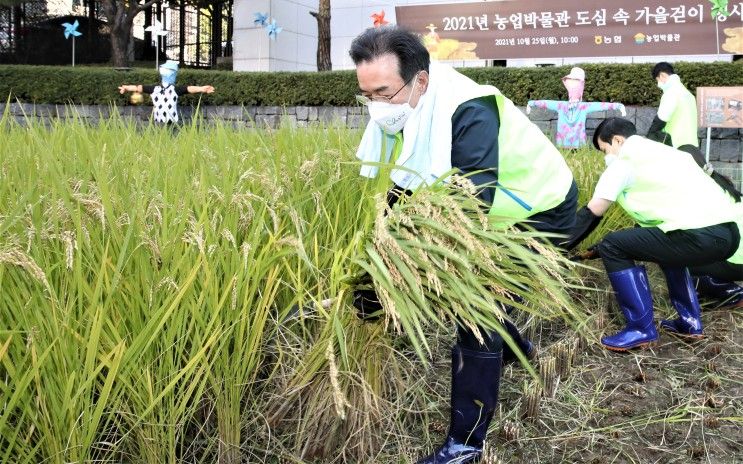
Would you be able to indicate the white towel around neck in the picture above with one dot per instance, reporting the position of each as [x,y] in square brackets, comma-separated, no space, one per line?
[426,146]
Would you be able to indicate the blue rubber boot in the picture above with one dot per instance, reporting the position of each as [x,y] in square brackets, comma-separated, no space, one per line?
[475,380]
[684,298]
[633,295]
[726,294]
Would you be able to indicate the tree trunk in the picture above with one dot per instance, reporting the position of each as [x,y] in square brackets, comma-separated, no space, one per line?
[323,35]
[119,46]
[130,46]
[120,17]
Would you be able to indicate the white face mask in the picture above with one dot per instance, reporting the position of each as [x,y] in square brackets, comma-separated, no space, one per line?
[391,117]
[664,85]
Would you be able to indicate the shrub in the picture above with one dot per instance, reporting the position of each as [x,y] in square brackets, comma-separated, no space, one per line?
[630,84]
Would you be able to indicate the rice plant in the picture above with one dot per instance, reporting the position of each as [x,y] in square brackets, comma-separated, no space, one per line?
[184,295]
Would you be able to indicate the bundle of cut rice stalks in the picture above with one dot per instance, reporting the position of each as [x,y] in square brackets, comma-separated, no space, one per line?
[436,257]
[352,388]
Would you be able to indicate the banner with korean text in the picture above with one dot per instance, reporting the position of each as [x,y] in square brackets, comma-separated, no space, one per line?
[574,28]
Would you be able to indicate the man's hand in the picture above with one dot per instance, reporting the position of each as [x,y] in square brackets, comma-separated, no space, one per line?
[591,253]
[585,222]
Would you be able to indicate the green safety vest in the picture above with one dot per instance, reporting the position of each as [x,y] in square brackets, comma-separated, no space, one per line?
[671,192]
[682,126]
[532,174]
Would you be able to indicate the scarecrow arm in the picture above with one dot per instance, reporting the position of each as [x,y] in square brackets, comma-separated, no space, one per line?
[200,89]
[130,88]
[605,106]
[551,105]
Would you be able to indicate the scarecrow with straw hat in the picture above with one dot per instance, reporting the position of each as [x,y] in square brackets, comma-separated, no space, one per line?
[572,114]
[165,95]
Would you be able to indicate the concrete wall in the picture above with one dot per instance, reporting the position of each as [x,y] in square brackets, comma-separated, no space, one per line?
[726,146]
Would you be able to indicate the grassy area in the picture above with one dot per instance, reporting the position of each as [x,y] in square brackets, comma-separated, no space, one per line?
[161,300]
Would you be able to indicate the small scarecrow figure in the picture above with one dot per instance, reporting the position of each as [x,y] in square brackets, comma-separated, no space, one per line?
[572,114]
[165,96]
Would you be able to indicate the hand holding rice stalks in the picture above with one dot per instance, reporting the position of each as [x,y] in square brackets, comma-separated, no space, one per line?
[435,258]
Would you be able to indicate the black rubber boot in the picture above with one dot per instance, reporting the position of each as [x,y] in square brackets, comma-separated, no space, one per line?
[725,294]
[475,379]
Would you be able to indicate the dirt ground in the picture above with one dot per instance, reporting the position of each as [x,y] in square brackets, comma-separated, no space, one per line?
[677,402]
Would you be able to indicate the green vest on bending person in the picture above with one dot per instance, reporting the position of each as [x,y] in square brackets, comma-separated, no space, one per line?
[671,192]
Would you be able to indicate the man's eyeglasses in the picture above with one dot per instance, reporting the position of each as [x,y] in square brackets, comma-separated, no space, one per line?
[364,100]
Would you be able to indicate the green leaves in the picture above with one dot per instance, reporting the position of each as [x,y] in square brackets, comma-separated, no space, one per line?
[719,8]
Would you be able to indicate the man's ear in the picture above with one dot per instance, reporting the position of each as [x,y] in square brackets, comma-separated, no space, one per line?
[423,81]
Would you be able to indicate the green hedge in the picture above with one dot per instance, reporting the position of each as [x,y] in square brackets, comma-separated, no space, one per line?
[630,84]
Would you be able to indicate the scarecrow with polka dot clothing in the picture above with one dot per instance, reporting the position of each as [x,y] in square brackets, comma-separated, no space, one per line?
[572,114]
[165,96]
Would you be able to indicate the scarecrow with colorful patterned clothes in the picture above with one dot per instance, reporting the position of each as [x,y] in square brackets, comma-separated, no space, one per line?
[572,114]
[165,96]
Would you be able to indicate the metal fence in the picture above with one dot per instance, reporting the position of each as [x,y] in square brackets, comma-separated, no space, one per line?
[15,19]
[197,37]
[200,37]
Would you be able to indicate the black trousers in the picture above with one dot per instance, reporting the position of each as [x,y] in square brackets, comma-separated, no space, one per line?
[560,220]
[721,270]
[678,248]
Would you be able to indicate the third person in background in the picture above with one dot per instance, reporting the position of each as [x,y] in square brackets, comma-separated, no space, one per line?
[676,121]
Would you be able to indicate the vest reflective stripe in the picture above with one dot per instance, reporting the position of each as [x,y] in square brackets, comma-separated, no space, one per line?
[682,127]
[669,191]
[532,174]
